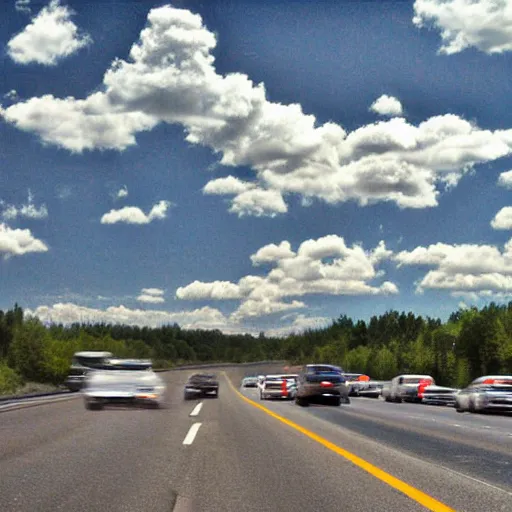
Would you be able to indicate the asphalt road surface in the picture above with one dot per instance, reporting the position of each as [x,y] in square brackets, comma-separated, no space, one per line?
[232,455]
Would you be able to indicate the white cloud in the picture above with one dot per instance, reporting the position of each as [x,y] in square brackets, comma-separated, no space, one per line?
[134,215]
[482,270]
[66,313]
[483,24]
[48,38]
[505,179]
[28,210]
[299,324]
[122,192]
[387,106]
[323,266]
[12,95]
[151,296]
[503,219]
[288,151]
[22,6]
[16,242]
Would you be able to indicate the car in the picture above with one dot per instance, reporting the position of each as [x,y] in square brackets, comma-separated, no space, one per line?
[278,386]
[405,388]
[123,382]
[321,381]
[83,363]
[355,382]
[371,389]
[490,392]
[250,382]
[201,385]
[437,395]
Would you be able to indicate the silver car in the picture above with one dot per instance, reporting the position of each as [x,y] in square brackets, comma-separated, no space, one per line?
[490,392]
[438,395]
[126,382]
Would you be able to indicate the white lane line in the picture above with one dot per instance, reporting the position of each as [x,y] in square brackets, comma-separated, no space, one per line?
[189,438]
[196,409]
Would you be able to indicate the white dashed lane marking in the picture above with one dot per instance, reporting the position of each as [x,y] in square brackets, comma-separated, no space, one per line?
[196,409]
[189,438]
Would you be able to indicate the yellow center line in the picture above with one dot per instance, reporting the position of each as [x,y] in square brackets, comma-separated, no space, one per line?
[415,494]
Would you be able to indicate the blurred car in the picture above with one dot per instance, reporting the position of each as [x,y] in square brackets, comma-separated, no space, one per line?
[371,388]
[437,395]
[278,386]
[123,382]
[200,385]
[83,363]
[355,382]
[321,381]
[250,382]
[490,392]
[405,387]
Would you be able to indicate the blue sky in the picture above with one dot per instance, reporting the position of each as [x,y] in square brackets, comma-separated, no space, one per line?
[254,165]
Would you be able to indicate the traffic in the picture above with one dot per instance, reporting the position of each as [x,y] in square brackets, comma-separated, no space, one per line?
[332,385]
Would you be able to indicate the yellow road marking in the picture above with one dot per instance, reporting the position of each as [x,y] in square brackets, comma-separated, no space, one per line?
[415,494]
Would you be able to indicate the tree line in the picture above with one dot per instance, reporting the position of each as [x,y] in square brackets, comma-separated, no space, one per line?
[470,343]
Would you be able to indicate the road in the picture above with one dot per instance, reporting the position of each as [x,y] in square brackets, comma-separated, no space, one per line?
[363,457]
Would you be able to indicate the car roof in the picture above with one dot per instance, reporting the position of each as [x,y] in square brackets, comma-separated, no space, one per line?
[93,353]
[415,376]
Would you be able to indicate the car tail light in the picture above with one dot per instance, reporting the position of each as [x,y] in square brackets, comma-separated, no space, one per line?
[326,384]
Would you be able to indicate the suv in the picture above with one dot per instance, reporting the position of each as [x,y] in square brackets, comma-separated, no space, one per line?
[321,381]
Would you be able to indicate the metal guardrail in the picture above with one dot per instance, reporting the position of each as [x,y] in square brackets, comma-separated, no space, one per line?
[20,398]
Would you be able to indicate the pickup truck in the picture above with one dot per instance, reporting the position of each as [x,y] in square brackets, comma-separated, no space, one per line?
[201,384]
[321,381]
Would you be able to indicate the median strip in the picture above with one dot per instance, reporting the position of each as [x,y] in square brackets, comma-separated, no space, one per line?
[416,495]
[189,438]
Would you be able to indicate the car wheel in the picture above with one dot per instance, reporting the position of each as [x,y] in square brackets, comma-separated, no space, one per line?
[93,406]
[387,399]
[216,394]
[336,401]
[397,400]
[301,401]
[471,406]
[458,408]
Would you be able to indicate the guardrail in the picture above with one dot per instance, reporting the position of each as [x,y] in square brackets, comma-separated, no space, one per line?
[20,398]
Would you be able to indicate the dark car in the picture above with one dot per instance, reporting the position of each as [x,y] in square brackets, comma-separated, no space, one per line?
[201,385]
[321,381]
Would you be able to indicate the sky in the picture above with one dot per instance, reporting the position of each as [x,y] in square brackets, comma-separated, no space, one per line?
[254,166]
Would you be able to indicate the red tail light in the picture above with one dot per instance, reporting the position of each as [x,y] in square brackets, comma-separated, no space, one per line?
[284,389]
[326,384]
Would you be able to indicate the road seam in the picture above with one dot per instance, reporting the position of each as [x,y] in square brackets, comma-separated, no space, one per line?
[416,495]
[191,435]
[196,409]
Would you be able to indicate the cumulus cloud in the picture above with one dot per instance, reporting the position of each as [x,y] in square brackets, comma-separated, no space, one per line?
[151,295]
[483,24]
[505,179]
[387,106]
[503,219]
[16,242]
[48,38]
[170,77]
[67,313]
[323,266]
[134,215]
[482,270]
[27,210]
[299,324]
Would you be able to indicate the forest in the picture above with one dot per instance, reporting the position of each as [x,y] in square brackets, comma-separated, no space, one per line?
[471,343]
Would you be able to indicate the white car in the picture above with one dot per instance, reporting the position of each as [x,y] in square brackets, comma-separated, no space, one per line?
[125,382]
[490,392]
[278,386]
[405,387]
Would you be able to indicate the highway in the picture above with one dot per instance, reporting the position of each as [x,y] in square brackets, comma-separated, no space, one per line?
[233,455]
